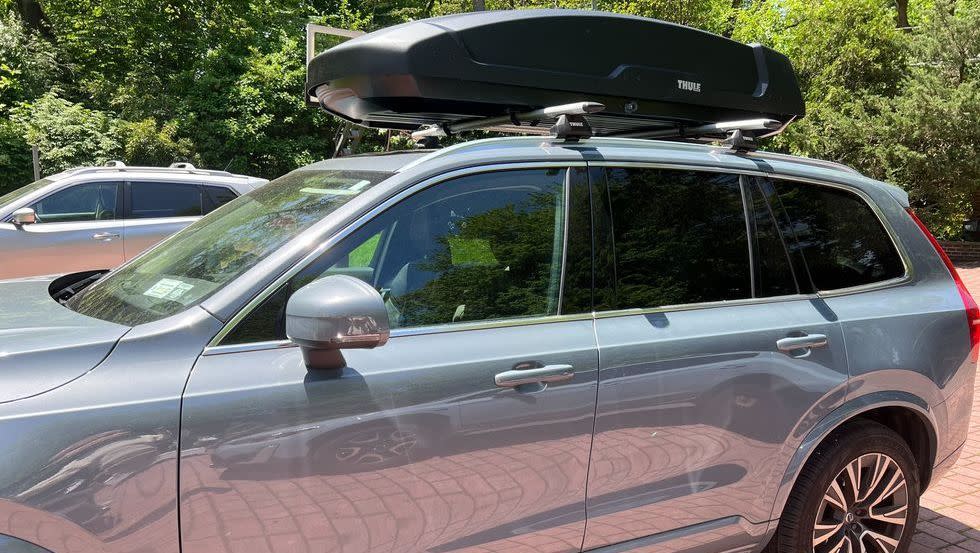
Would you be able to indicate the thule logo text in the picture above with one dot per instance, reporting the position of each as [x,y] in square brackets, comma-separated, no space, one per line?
[690,86]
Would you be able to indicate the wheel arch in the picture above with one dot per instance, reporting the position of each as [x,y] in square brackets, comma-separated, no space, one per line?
[905,413]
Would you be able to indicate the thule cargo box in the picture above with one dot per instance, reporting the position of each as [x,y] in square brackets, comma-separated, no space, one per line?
[648,74]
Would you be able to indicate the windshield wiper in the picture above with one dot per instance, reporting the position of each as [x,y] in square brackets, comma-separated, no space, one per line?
[63,291]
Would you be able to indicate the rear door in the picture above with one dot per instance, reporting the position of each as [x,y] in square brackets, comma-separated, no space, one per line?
[425,444]
[77,229]
[157,209]
[713,359]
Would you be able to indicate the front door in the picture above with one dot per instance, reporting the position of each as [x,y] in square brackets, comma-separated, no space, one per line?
[422,444]
[77,229]
[713,363]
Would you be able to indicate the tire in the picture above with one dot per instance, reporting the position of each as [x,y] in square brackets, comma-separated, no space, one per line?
[879,458]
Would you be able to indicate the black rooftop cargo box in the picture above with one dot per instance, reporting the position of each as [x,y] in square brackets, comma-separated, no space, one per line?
[648,74]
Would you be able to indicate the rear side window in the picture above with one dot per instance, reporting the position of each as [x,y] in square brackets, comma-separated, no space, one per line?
[774,275]
[679,237]
[164,199]
[840,237]
[216,196]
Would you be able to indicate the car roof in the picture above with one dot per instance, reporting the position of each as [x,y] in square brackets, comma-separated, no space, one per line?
[176,172]
[599,150]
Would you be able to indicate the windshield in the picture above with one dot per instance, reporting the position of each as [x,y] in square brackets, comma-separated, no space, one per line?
[11,197]
[199,260]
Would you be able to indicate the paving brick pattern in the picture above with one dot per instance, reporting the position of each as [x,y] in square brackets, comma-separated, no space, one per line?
[949,521]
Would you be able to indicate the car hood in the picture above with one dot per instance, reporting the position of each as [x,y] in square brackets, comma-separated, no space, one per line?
[43,344]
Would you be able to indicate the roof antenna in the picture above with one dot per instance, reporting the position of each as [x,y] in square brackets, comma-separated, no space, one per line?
[571,128]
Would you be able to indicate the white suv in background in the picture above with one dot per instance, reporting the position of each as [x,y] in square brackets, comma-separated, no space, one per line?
[95,218]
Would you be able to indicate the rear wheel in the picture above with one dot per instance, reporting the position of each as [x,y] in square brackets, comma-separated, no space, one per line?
[859,493]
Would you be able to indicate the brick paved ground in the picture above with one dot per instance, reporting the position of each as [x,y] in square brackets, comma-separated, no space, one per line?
[950,518]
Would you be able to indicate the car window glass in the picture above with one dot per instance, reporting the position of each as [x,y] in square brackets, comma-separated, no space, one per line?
[92,201]
[480,247]
[839,235]
[773,272]
[679,237]
[164,199]
[216,197]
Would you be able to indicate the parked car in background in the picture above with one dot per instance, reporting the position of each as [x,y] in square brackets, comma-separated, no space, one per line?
[95,218]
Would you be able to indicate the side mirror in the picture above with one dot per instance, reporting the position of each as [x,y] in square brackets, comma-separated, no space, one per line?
[334,313]
[24,216]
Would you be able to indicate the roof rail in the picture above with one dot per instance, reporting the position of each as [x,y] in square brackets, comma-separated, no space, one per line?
[119,166]
[821,163]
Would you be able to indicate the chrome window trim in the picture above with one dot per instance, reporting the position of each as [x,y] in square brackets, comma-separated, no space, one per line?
[413,331]
[367,217]
[701,305]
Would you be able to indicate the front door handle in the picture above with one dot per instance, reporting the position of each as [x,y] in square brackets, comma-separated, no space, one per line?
[793,343]
[105,236]
[535,375]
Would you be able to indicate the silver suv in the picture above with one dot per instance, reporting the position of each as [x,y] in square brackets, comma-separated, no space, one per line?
[95,218]
[521,344]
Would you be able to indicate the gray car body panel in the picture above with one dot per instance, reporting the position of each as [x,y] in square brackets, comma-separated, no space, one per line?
[94,461]
[48,346]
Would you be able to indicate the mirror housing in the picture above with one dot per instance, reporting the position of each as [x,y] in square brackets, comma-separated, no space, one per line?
[24,216]
[334,313]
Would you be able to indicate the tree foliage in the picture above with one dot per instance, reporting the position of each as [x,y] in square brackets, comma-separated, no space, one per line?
[891,85]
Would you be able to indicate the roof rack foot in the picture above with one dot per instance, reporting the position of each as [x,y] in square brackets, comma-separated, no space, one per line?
[571,128]
[738,142]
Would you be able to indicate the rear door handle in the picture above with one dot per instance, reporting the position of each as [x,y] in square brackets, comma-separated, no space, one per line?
[105,235]
[545,374]
[793,343]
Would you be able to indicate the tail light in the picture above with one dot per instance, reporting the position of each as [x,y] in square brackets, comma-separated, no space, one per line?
[972,311]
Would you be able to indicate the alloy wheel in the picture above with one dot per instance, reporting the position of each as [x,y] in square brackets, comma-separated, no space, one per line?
[865,508]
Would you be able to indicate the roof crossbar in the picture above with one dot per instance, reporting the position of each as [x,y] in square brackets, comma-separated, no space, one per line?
[711,130]
[577,108]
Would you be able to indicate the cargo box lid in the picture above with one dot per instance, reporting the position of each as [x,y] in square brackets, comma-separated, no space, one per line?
[648,74]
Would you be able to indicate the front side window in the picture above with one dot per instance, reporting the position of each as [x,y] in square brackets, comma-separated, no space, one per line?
[150,200]
[220,247]
[679,237]
[840,237]
[476,248]
[91,201]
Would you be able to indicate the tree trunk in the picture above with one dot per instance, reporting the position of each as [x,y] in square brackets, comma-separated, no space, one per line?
[32,14]
[479,5]
[732,17]
[902,14]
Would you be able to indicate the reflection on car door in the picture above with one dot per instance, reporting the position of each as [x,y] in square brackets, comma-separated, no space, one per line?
[77,229]
[413,446]
[157,210]
[703,396]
